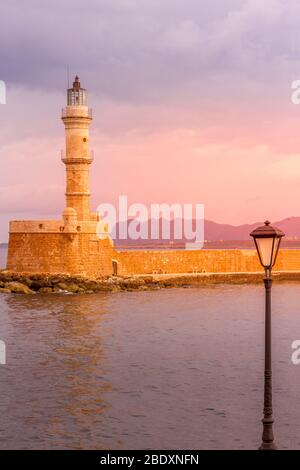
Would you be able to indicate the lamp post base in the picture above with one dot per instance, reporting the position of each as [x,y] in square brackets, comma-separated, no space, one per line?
[268,446]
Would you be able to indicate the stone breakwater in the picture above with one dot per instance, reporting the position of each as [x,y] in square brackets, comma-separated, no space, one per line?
[28,283]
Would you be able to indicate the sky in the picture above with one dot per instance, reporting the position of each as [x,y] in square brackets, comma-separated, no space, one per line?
[191,102]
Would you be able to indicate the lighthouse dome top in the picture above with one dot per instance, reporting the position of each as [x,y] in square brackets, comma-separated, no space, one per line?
[77,96]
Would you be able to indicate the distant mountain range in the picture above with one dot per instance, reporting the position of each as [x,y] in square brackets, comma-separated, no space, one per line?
[223,234]
[217,232]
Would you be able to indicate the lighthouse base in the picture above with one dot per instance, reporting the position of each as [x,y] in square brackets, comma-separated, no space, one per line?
[44,247]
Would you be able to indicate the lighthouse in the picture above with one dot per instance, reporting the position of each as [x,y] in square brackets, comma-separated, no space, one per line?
[77,243]
[77,157]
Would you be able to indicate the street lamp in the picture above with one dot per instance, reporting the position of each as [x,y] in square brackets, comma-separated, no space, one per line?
[267,241]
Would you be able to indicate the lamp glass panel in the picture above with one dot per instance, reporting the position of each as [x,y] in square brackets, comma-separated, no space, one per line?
[276,245]
[265,248]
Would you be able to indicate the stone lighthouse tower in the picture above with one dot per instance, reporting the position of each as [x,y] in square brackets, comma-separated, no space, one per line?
[77,157]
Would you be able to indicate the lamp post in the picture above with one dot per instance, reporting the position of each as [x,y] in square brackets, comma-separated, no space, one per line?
[267,241]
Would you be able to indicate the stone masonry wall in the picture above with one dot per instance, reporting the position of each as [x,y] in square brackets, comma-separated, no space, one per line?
[85,254]
[201,261]
[82,254]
